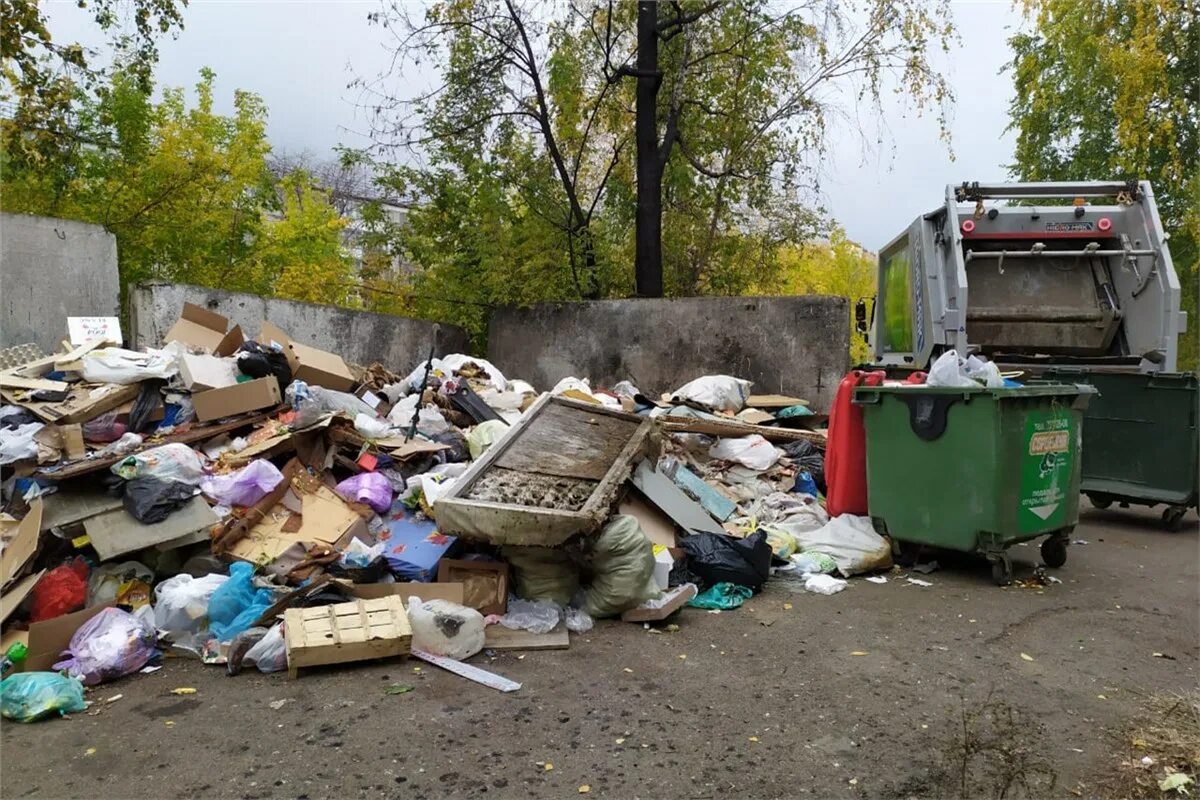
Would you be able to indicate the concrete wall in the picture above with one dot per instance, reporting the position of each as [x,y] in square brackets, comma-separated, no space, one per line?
[361,337]
[787,345]
[51,269]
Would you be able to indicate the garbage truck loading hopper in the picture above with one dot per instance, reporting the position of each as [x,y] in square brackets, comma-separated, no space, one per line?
[1002,270]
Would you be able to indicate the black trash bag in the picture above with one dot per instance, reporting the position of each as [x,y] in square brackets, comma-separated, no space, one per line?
[148,399]
[371,573]
[18,418]
[150,500]
[807,456]
[258,361]
[719,558]
[458,451]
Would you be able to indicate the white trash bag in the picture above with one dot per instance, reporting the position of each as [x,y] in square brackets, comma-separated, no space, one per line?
[719,392]
[752,451]
[445,629]
[851,542]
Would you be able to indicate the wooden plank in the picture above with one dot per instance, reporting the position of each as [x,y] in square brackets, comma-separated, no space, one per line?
[773,401]
[186,437]
[662,493]
[73,361]
[712,427]
[498,637]
[33,384]
[116,532]
[670,602]
[569,442]
[502,523]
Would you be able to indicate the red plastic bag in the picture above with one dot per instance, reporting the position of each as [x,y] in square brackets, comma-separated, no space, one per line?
[846,453]
[60,591]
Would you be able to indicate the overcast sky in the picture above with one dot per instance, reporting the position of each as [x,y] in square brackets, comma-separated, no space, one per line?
[300,56]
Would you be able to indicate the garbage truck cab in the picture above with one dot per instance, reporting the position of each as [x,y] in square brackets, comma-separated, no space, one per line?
[1032,274]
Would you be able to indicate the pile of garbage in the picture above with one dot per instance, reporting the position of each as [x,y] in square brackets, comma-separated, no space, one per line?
[262,502]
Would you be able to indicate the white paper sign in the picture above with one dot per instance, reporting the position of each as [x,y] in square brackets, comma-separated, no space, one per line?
[87,329]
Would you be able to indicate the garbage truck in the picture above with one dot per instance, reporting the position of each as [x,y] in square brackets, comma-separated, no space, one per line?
[1071,281]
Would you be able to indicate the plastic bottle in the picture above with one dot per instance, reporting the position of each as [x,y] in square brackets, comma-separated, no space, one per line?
[13,656]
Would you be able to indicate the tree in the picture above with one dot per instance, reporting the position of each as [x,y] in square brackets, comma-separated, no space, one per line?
[833,266]
[535,94]
[186,192]
[40,79]
[1109,89]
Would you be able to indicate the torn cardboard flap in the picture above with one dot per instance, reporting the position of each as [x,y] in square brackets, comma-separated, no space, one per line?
[324,519]
[309,364]
[23,544]
[199,327]
[19,591]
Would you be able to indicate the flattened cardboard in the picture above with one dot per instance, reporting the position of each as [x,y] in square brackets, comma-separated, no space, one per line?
[485,583]
[376,400]
[19,591]
[199,327]
[773,401]
[22,545]
[233,400]
[657,526]
[452,592]
[84,402]
[72,439]
[325,519]
[678,598]
[200,373]
[47,640]
[116,532]
[313,366]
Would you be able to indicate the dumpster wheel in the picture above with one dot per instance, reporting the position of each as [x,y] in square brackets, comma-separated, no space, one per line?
[1172,517]
[1002,570]
[1100,501]
[1054,552]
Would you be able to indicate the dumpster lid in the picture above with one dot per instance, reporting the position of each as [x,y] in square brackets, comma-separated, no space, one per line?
[1032,389]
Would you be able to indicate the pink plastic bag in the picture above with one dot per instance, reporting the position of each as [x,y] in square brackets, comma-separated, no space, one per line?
[367,487]
[111,644]
[245,487]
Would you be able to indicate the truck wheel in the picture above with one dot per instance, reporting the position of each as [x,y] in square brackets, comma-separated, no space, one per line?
[1054,552]
[1172,517]
[1099,501]
[1002,571]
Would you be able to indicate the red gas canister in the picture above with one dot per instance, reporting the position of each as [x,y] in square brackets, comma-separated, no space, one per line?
[846,453]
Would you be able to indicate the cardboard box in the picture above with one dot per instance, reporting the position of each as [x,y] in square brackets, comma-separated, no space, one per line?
[200,327]
[203,372]
[46,640]
[313,366]
[376,400]
[72,438]
[485,583]
[248,396]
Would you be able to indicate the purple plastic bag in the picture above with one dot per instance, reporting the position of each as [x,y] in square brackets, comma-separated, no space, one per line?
[111,644]
[245,487]
[367,487]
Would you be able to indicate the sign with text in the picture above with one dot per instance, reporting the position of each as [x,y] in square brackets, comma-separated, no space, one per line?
[82,330]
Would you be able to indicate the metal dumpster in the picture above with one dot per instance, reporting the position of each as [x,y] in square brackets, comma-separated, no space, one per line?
[975,470]
[1140,442]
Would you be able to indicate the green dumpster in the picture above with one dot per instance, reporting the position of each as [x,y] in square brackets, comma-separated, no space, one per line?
[1140,441]
[975,470]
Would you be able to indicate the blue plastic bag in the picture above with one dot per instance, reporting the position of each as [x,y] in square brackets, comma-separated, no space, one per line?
[805,483]
[236,604]
[29,696]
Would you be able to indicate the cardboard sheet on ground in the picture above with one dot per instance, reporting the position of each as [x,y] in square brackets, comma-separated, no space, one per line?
[324,519]
[116,532]
[46,640]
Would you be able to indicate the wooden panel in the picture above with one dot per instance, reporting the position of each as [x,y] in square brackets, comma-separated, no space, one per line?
[569,442]
[498,637]
[346,632]
[114,533]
